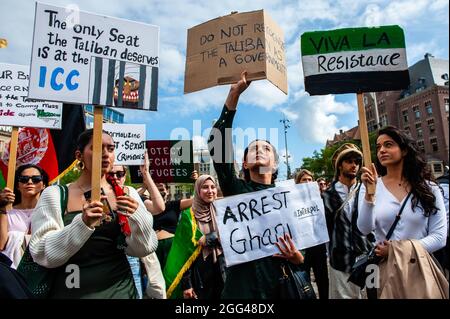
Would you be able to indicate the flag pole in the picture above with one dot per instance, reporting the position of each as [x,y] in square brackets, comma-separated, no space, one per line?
[364,139]
[12,161]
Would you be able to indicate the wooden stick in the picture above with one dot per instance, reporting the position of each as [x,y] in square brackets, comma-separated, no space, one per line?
[12,161]
[97,153]
[364,138]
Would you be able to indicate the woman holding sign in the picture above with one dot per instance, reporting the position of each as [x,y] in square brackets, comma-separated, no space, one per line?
[257,279]
[29,182]
[89,240]
[403,189]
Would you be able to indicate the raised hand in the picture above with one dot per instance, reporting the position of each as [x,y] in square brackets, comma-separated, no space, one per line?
[236,90]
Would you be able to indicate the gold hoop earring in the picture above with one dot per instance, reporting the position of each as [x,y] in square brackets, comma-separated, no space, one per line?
[81,165]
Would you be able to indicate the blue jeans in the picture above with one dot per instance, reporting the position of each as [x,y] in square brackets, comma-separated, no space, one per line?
[136,271]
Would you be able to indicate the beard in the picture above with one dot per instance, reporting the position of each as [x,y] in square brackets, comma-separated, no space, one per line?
[348,174]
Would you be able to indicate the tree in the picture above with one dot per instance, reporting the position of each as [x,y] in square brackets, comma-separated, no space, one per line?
[320,163]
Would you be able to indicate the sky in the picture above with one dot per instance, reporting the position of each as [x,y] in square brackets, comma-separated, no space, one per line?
[313,119]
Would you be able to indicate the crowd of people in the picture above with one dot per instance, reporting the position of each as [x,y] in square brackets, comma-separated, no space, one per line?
[137,244]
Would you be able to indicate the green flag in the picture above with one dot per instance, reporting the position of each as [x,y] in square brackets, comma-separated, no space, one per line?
[183,252]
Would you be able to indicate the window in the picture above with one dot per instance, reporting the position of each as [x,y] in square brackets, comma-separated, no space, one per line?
[383,120]
[382,108]
[446,105]
[405,116]
[421,145]
[428,108]
[89,108]
[419,129]
[371,126]
[434,144]
[430,123]
[416,112]
[369,112]
[89,121]
[407,130]
[204,168]
[366,100]
[437,168]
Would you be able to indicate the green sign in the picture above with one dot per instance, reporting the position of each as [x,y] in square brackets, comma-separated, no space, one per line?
[354,60]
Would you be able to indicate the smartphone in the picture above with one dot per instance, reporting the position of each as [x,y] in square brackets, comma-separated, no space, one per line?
[107,211]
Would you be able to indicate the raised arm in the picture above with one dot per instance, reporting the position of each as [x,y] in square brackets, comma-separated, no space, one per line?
[156,205]
[220,142]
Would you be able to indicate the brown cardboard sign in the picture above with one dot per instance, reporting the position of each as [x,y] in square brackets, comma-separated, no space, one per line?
[220,49]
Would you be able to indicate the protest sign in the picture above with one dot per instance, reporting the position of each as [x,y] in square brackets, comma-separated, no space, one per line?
[354,60]
[129,140]
[171,161]
[220,49]
[250,224]
[15,109]
[96,60]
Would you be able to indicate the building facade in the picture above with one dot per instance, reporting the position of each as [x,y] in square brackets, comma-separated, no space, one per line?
[5,137]
[109,115]
[422,110]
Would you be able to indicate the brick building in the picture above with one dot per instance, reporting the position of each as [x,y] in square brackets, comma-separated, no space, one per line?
[422,109]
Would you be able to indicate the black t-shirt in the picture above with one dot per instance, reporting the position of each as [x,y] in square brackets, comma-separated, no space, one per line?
[168,219]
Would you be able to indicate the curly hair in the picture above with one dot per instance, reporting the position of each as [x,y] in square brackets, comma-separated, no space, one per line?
[415,170]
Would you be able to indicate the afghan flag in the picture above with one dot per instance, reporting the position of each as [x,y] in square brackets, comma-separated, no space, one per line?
[354,60]
[52,150]
[183,252]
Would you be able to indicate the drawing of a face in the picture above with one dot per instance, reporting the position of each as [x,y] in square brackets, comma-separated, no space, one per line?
[130,92]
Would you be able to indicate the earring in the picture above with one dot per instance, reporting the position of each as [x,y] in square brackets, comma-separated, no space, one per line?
[80,165]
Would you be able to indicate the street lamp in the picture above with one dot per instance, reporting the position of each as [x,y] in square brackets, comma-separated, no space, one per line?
[286,125]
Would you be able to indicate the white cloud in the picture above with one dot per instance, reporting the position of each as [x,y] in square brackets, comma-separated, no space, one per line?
[315,117]
[199,142]
[416,51]
[423,17]
[395,12]
[264,94]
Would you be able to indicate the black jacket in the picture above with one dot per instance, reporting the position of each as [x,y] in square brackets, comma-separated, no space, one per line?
[346,241]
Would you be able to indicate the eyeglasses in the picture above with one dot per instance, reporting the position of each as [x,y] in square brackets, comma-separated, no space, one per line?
[119,174]
[35,179]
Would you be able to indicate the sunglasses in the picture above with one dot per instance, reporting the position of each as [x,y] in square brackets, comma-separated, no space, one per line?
[119,174]
[35,179]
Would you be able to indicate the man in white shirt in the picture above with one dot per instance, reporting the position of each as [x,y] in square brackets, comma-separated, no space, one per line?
[341,211]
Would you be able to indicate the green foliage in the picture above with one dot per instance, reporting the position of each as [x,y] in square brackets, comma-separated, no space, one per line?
[320,162]
[70,176]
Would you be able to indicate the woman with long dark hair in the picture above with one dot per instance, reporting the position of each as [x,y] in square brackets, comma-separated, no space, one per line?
[95,236]
[30,180]
[401,175]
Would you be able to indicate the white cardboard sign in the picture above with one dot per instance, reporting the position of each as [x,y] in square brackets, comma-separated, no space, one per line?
[84,58]
[250,224]
[129,140]
[16,110]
